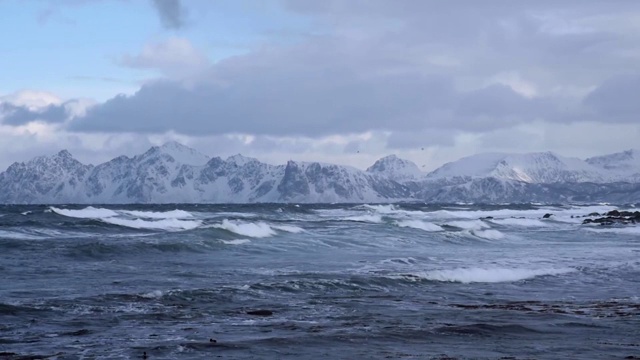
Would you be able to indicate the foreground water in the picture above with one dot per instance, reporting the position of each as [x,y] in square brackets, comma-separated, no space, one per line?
[337,282]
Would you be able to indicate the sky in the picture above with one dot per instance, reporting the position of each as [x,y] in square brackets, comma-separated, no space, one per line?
[335,81]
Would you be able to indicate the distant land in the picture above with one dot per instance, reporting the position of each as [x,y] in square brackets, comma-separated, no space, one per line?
[174,173]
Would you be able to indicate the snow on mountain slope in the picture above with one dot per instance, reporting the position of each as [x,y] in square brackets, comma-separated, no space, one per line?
[626,162]
[545,167]
[174,173]
[44,179]
[396,169]
[183,154]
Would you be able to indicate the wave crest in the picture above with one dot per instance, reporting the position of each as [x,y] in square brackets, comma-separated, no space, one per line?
[491,275]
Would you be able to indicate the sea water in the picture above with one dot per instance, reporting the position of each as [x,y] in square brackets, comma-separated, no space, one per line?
[333,281]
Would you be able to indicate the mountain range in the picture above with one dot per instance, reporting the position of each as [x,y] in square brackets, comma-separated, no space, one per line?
[174,173]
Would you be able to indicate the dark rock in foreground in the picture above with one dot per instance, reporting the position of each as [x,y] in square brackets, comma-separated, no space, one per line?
[616,217]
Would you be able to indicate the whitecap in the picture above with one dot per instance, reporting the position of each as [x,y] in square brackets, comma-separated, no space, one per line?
[236,241]
[255,230]
[520,222]
[418,224]
[469,225]
[173,214]
[86,213]
[382,209]
[18,235]
[488,234]
[490,275]
[153,294]
[371,218]
[164,224]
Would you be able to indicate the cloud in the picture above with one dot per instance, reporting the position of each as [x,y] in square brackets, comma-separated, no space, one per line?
[29,106]
[426,73]
[616,99]
[175,57]
[20,115]
[171,13]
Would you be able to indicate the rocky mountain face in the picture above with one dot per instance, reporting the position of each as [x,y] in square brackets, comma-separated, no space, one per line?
[174,173]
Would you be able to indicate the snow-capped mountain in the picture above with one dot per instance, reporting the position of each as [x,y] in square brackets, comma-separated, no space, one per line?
[396,169]
[52,179]
[174,173]
[626,163]
[533,168]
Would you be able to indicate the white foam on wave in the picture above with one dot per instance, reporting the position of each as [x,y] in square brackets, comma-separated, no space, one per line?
[86,213]
[173,214]
[382,209]
[155,294]
[488,234]
[236,241]
[520,222]
[469,225]
[419,224]
[6,234]
[164,224]
[490,275]
[370,218]
[513,213]
[254,230]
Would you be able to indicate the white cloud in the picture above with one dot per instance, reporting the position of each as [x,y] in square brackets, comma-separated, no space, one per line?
[175,57]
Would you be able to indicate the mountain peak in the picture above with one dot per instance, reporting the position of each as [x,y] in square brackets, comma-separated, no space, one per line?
[540,167]
[626,161]
[239,159]
[395,168]
[181,153]
[64,154]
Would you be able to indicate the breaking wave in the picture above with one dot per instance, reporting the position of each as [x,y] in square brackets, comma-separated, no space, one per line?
[370,218]
[520,222]
[86,213]
[173,214]
[469,225]
[254,230]
[494,275]
[164,224]
[419,224]
[488,234]
[236,241]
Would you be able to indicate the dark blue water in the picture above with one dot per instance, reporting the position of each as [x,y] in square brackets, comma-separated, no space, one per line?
[308,282]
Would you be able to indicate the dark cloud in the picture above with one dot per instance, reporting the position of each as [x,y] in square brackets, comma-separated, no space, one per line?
[19,115]
[171,13]
[617,99]
[408,66]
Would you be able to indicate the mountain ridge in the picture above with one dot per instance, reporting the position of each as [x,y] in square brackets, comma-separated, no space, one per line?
[175,173]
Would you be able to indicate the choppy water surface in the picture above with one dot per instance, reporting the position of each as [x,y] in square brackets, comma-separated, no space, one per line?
[335,282]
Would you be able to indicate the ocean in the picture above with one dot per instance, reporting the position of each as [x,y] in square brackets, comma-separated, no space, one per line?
[403,281]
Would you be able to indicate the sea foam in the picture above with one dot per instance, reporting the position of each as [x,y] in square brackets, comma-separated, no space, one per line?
[469,225]
[254,230]
[419,224]
[173,214]
[86,213]
[520,222]
[164,224]
[488,234]
[490,275]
